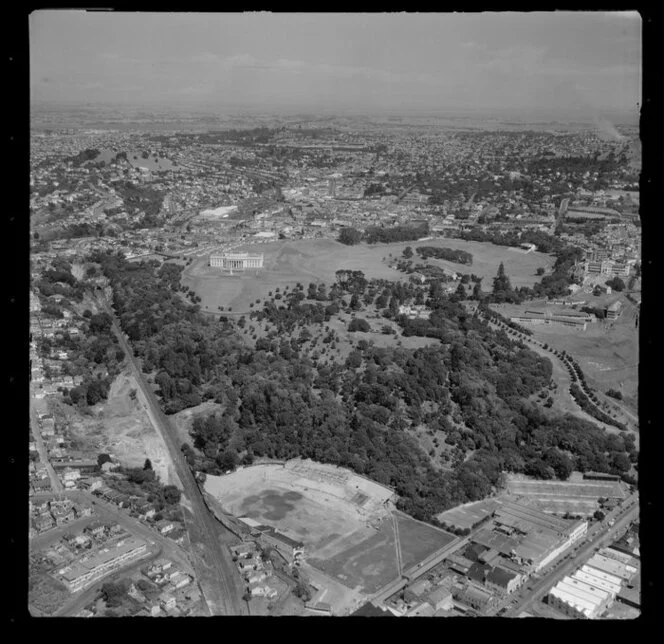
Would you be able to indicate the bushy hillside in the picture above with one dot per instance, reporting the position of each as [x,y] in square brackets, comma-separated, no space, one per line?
[471,385]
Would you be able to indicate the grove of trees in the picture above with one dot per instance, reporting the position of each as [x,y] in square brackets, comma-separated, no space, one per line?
[471,385]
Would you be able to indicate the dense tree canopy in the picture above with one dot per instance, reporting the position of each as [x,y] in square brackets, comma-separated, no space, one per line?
[470,385]
[450,254]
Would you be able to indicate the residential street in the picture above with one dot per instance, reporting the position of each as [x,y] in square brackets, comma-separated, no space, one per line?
[106,511]
[56,485]
[82,599]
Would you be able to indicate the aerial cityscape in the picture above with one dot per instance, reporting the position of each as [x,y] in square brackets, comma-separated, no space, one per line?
[334,315]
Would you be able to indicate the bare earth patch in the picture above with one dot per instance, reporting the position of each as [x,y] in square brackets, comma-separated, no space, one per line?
[122,428]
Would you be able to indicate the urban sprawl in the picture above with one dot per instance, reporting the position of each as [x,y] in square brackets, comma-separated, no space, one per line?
[446,414]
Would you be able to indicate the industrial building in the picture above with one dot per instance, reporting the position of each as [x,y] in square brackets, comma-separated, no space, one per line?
[577,598]
[594,577]
[543,537]
[526,540]
[612,566]
[595,586]
[565,318]
[474,596]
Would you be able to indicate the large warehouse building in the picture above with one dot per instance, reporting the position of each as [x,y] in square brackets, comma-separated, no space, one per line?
[593,587]
[526,540]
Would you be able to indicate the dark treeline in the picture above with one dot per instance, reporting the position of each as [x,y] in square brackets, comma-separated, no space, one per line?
[376,234]
[171,337]
[279,403]
[60,281]
[576,164]
[553,285]
[246,136]
[142,198]
[449,254]
[89,154]
[545,243]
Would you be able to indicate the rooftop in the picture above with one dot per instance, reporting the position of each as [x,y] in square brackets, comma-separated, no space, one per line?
[583,591]
[595,578]
[585,606]
[611,566]
[520,515]
[369,610]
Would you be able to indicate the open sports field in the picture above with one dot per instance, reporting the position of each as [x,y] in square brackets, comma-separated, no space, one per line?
[369,564]
[419,540]
[285,264]
[343,519]
[581,489]
[520,266]
[314,260]
[558,497]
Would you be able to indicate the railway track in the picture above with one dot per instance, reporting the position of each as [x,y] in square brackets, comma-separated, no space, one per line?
[217,573]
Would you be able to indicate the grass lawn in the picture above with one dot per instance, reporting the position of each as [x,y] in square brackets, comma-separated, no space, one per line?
[317,260]
[520,267]
[418,540]
[608,353]
[370,564]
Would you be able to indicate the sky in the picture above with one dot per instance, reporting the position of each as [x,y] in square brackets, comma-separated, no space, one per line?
[549,61]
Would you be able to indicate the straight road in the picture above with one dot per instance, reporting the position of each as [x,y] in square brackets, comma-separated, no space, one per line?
[56,485]
[397,544]
[415,572]
[217,574]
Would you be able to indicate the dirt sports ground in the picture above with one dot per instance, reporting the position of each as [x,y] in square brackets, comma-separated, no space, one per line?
[317,260]
[345,521]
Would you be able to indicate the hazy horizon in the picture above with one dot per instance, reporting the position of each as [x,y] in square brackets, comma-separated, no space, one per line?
[581,65]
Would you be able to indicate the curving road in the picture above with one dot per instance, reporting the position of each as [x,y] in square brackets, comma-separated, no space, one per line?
[217,575]
[538,347]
